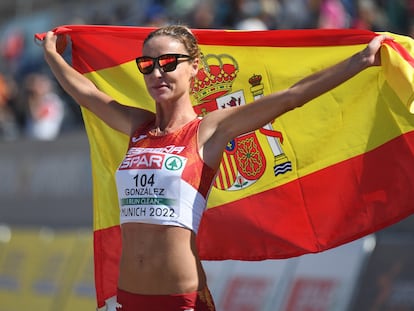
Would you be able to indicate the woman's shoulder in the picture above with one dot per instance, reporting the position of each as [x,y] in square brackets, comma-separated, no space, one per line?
[143,124]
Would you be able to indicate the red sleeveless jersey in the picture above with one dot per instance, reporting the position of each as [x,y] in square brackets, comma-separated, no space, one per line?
[163,180]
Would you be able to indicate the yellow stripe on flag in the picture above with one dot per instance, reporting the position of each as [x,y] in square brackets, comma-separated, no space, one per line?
[317,135]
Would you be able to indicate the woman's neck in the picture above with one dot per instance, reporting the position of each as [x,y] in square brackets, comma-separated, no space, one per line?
[169,120]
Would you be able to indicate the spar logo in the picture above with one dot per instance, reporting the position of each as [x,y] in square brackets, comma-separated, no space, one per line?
[143,161]
[174,163]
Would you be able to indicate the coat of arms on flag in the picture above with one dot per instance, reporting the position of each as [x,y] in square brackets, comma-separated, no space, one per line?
[244,160]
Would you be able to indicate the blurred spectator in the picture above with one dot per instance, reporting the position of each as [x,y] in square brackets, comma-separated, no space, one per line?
[333,15]
[399,14]
[270,9]
[202,17]
[9,128]
[297,14]
[350,7]
[11,49]
[251,16]
[369,16]
[45,109]
[155,16]
[179,9]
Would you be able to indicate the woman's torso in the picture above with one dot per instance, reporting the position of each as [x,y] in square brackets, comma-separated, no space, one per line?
[159,256]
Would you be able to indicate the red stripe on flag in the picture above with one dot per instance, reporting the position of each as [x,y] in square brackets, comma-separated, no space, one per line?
[308,215]
[285,38]
[107,245]
[402,51]
[122,44]
[229,170]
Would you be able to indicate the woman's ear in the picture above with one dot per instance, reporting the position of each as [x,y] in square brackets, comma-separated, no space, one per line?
[195,64]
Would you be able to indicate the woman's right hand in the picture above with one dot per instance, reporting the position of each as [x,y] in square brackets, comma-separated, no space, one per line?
[54,43]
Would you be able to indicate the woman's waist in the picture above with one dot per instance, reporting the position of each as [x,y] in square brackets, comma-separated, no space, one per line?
[158,257]
[160,280]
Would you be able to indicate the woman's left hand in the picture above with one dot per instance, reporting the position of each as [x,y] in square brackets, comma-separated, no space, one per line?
[371,54]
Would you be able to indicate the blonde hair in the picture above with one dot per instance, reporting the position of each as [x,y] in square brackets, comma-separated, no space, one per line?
[182,34]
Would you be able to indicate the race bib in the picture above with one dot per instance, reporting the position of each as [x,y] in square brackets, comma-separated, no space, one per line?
[149,186]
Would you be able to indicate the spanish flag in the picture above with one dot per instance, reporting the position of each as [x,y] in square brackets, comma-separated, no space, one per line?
[337,169]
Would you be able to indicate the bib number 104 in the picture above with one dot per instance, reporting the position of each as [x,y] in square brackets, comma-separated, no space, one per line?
[144,180]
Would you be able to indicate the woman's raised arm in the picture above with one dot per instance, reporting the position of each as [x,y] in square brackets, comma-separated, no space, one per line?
[220,126]
[122,118]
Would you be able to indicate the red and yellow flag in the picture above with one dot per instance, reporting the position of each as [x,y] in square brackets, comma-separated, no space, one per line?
[320,176]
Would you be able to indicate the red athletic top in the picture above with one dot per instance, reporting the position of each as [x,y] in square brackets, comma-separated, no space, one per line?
[163,180]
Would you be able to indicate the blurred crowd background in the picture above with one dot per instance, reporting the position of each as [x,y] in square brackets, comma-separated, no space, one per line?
[46,258]
[32,105]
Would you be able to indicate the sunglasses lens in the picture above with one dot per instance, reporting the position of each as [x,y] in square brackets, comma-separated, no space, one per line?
[168,62]
[145,65]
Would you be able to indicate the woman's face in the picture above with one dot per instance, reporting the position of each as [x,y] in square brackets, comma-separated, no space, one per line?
[169,86]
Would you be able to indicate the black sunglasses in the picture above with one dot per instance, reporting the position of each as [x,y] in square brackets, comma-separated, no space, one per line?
[166,62]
